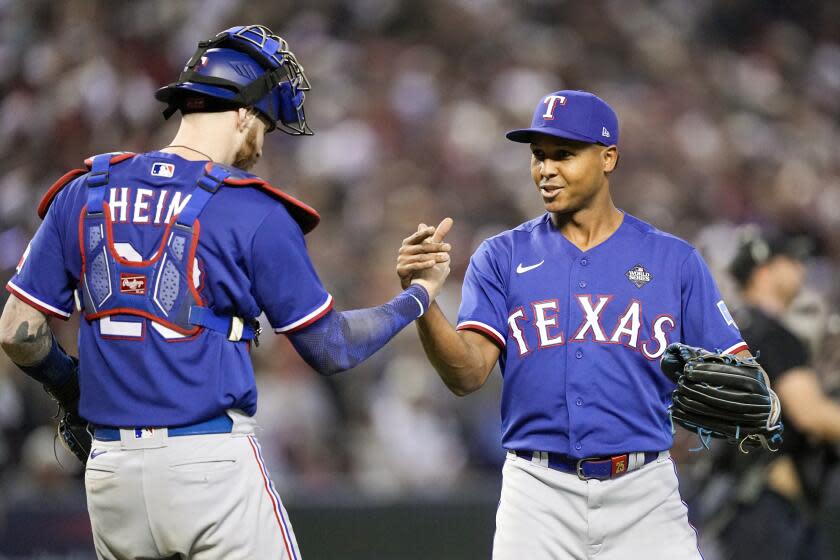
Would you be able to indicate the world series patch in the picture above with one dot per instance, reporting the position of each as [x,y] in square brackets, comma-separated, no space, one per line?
[638,276]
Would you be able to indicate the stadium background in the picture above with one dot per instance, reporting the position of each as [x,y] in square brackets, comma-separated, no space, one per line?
[730,113]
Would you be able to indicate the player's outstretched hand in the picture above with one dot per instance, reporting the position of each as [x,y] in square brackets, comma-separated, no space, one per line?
[424,257]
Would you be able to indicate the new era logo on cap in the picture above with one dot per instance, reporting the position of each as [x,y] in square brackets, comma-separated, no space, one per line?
[163,169]
[572,115]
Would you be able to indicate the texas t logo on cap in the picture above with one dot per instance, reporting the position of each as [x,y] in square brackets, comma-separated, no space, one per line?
[572,115]
[551,102]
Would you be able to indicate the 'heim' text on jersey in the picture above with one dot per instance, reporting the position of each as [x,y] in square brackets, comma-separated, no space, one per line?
[145,206]
[544,318]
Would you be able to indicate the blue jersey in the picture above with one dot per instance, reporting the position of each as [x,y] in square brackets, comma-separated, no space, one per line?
[581,333]
[250,258]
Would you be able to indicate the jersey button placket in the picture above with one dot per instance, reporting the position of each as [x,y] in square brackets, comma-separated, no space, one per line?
[581,284]
[584,261]
[573,370]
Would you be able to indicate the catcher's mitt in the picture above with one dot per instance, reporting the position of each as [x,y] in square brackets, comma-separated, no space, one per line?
[72,428]
[722,396]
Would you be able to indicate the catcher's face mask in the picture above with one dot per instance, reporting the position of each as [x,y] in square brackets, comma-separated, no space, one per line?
[244,66]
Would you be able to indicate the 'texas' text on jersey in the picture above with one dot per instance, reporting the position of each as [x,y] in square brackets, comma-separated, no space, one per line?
[544,319]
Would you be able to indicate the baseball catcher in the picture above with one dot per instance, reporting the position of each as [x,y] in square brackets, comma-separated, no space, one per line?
[723,396]
[170,256]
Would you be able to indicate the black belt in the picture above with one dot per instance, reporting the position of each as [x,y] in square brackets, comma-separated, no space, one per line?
[598,468]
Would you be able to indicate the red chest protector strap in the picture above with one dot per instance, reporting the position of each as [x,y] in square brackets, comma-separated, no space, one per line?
[306,216]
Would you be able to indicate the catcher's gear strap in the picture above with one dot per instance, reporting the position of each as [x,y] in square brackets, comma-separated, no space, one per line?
[305,216]
[246,96]
[341,340]
[54,370]
[235,328]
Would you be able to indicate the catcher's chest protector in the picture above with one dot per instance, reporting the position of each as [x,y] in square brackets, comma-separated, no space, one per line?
[161,288]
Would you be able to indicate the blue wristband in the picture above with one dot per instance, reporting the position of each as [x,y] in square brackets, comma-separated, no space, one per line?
[57,368]
[419,294]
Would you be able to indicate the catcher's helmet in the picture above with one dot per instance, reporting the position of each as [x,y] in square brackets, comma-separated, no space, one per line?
[244,66]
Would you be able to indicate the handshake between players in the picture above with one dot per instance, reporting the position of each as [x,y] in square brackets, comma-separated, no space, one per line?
[424,258]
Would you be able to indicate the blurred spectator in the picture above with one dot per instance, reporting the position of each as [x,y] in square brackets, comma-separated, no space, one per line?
[299,423]
[415,444]
[11,415]
[767,505]
[47,470]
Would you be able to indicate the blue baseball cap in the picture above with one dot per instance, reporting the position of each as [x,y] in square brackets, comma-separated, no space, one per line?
[575,115]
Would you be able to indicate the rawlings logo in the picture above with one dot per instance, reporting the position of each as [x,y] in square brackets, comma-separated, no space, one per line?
[132,284]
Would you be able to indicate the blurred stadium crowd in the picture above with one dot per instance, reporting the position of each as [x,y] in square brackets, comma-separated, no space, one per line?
[730,113]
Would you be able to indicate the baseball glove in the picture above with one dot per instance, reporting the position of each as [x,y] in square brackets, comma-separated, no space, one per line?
[722,396]
[72,428]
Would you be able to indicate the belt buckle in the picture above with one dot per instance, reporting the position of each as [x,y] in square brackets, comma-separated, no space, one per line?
[579,468]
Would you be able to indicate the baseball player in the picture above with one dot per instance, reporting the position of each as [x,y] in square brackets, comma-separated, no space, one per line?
[170,256]
[578,306]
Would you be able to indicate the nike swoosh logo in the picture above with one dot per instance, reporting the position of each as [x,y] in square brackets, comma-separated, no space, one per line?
[94,454]
[520,269]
